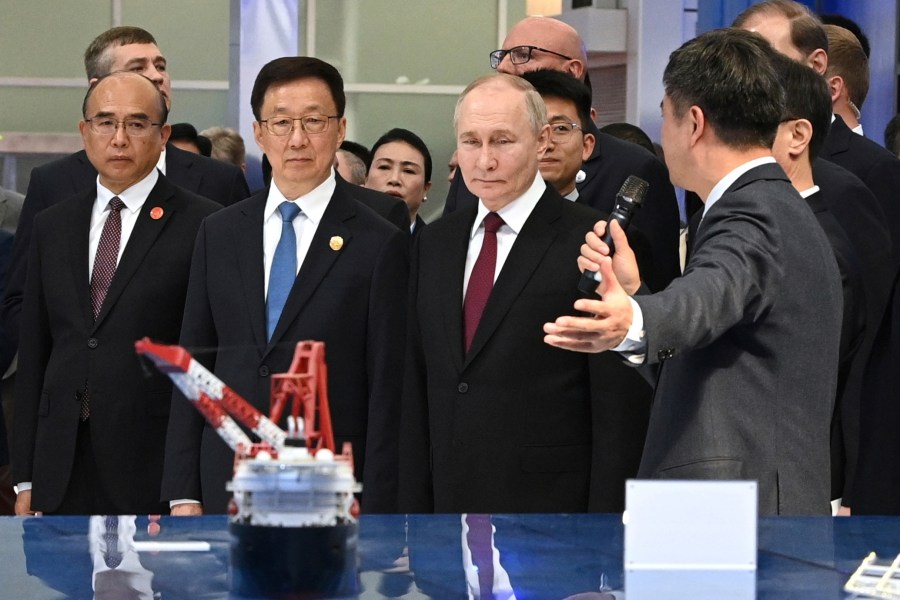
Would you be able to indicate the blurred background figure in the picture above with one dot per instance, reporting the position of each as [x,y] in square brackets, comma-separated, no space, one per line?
[227,146]
[452,166]
[185,137]
[352,162]
[892,135]
[630,133]
[401,167]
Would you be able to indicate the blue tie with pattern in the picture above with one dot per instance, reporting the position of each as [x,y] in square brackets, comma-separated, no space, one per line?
[284,266]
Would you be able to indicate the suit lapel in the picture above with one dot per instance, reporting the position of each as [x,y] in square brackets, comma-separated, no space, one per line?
[453,248]
[319,259]
[79,248]
[248,240]
[527,252]
[143,236]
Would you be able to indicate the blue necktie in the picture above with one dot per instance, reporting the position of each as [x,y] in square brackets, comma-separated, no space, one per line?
[284,266]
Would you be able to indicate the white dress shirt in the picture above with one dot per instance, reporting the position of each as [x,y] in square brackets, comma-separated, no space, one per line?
[312,207]
[134,198]
[514,216]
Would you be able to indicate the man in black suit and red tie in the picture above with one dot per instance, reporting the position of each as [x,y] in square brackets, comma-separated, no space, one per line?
[545,43]
[494,420]
[344,283]
[105,268]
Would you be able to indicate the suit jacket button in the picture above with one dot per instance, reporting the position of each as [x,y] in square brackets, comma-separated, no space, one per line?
[462,388]
[264,371]
[93,343]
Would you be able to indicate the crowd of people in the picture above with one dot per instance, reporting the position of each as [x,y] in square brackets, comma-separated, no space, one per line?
[466,368]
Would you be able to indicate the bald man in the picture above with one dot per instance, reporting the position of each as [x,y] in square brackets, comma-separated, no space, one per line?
[543,43]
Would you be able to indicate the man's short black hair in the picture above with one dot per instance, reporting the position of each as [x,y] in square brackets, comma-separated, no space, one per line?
[406,136]
[186,131]
[728,73]
[556,84]
[359,151]
[806,96]
[851,26]
[293,68]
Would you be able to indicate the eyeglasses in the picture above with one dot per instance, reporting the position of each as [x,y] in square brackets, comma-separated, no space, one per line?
[520,55]
[562,131]
[134,126]
[309,124]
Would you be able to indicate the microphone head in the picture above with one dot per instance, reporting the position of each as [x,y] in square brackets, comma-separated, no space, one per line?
[634,189]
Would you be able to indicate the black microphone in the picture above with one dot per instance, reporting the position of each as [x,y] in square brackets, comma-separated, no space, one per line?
[628,201]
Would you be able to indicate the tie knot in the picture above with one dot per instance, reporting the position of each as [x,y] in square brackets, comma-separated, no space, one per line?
[288,211]
[116,204]
[492,222]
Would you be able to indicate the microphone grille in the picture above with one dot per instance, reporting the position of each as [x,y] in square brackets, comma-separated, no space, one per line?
[634,188]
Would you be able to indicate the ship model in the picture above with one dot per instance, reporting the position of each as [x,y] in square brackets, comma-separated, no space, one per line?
[293,513]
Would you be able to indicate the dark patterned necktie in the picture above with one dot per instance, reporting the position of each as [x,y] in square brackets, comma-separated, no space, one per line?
[107,255]
[112,557]
[481,281]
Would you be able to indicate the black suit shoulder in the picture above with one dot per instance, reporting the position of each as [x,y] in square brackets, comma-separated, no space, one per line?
[219,181]
[387,207]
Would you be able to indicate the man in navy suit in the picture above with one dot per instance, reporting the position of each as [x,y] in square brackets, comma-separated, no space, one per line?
[346,286]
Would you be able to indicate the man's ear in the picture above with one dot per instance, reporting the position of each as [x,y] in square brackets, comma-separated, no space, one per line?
[588,148]
[543,139]
[801,136]
[576,69]
[836,87]
[818,61]
[698,120]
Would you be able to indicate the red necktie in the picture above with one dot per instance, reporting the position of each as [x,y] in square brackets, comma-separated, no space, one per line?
[481,546]
[107,255]
[481,281]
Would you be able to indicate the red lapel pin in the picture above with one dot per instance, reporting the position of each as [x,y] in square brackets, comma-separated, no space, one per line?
[156,213]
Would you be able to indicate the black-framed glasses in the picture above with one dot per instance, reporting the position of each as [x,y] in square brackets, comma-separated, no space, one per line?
[520,55]
[561,131]
[309,124]
[133,126]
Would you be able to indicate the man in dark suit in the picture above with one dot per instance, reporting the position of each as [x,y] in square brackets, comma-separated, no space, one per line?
[247,308]
[10,207]
[493,420]
[118,49]
[849,163]
[542,43]
[748,337]
[106,267]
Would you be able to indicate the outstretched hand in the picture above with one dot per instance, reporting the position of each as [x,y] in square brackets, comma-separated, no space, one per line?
[608,319]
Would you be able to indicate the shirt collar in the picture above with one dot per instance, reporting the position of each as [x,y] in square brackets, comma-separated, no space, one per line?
[727,181]
[809,192]
[133,197]
[313,203]
[516,212]
[161,163]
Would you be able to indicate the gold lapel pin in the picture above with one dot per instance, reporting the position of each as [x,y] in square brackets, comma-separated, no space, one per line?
[336,243]
[156,213]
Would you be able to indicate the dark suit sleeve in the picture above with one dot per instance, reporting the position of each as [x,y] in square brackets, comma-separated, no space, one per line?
[239,188]
[385,347]
[34,352]
[181,471]
[36,200]
[415,446]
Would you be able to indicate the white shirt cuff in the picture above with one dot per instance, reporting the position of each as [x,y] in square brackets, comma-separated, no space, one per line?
[173,503]
[22,487]
[634,348]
